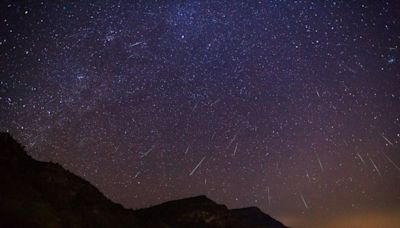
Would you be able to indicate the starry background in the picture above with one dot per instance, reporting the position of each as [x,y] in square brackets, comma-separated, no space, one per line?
[290,106]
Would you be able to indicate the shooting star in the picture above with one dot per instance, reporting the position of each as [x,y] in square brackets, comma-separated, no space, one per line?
[362,160]
[136,175]
[215,102]
[268,197]
[316,90]
[236,146]
[390,160]
[147,152]
[375,167]
[136,44]
[187,149]
[195,106]
[233,139]
[308,177]
[320,163]
[304,201]
[349,68]
[387,140]
[197,166]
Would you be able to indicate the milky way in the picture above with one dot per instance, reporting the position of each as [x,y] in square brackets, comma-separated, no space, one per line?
[290,106]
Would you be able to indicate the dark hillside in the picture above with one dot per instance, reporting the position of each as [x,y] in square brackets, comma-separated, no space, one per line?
[43,194]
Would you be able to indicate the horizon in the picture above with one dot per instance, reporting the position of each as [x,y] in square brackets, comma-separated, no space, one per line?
[289,106]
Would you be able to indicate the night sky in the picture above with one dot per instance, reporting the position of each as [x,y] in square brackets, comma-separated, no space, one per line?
[290,106]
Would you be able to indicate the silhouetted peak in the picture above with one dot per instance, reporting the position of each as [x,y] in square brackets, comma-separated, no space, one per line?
[44,194]
[190,203]
[4,134]
[200,197]
[6,138]
[249,209]
[194,199]
[10,149]
[257,216]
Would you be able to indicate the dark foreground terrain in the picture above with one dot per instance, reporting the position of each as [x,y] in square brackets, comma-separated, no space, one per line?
[43,194]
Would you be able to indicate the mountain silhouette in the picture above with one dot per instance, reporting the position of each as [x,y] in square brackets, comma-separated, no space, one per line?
[43,194]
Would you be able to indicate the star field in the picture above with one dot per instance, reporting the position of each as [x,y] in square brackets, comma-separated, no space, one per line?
[290,106]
